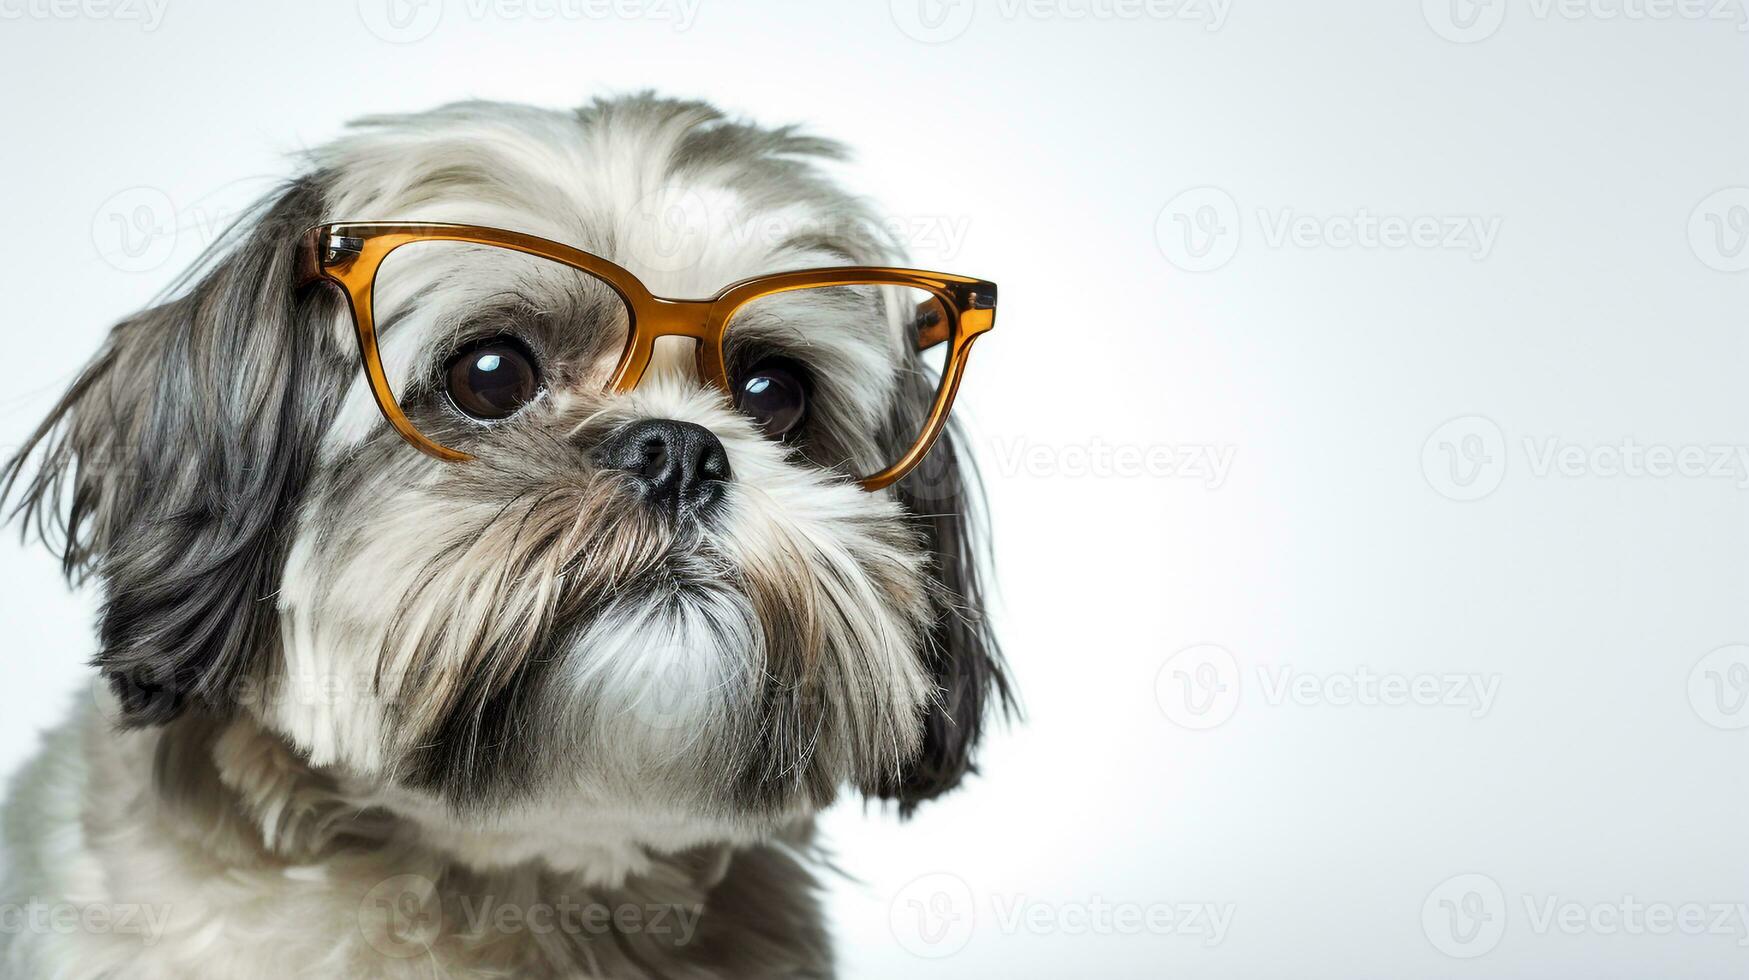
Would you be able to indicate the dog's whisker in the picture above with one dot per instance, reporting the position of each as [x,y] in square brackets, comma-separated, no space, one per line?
[465,623]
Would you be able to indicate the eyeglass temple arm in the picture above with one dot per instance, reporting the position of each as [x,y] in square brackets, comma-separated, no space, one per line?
[932,327]
[311,250]
[309,269]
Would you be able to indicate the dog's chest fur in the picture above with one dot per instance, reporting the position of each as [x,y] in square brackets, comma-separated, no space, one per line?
[258,873]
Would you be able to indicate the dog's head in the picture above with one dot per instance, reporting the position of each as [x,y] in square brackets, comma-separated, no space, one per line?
[555,630]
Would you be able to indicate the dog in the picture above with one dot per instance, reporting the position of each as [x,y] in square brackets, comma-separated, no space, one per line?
[565,709]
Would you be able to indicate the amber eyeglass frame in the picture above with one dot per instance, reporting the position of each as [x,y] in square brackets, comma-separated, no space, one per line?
[348,255]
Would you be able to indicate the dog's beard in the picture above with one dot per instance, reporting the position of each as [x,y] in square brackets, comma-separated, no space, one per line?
[528,631]
[511,660]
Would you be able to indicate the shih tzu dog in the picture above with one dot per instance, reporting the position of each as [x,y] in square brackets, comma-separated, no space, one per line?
[476,602]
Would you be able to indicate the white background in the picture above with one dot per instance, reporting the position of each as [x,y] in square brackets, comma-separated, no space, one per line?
[1048,147]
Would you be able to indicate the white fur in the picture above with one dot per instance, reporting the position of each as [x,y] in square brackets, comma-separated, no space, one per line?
[310,758]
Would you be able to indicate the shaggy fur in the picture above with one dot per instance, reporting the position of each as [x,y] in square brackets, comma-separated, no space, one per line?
[370,714]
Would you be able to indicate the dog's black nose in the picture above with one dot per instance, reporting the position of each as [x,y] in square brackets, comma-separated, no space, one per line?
[681,466]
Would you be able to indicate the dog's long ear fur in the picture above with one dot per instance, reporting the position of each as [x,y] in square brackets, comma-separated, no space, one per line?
[172,468]
[945,500]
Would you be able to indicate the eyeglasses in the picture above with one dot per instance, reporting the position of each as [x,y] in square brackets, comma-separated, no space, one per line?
[938,315]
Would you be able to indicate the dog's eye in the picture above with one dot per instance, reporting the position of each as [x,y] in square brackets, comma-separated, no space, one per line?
[492,379]
[775,395]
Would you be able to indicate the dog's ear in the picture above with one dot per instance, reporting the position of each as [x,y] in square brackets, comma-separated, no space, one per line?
[172,468]
[945,500]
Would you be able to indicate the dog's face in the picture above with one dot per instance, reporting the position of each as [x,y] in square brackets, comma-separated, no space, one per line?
[562,629]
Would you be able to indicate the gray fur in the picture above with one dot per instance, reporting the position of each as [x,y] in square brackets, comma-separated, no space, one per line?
[548,692]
